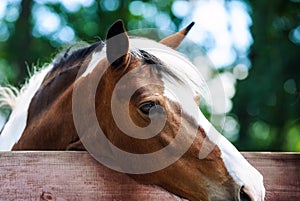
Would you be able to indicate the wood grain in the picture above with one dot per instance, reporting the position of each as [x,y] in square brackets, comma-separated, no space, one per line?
[77,176]
[281,173]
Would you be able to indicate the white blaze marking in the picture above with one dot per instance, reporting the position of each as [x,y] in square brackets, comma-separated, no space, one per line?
[16,124]
[237,166]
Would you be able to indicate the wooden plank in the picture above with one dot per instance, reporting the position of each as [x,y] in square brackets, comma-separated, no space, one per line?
[67,176]
[77,176]
[281,173]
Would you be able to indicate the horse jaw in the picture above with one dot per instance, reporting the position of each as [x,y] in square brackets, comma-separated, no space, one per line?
[242,173]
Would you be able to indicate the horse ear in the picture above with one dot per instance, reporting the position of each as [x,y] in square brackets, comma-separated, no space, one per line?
[175,40]
[117,44]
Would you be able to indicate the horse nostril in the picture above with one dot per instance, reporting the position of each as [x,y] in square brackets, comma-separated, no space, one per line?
[244,196]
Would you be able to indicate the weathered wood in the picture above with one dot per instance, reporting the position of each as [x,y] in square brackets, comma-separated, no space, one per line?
[281,173]
[67,176]
[77,176]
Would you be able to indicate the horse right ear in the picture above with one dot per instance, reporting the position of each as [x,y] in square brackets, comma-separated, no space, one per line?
[117,45]
[175,40]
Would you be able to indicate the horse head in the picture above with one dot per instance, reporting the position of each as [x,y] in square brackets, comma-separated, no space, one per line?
[152,114]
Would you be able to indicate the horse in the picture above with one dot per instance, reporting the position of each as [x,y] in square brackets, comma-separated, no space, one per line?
[133,103]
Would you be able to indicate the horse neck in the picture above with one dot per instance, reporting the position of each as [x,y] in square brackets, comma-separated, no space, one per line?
[49,122]
[49,113]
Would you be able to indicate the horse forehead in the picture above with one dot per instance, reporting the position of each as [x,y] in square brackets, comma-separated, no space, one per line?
[140,82]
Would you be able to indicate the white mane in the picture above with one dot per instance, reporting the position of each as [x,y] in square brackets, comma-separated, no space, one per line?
[8,97]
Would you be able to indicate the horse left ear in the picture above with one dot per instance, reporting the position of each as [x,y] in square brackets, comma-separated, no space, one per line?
[117,44]
[175,40]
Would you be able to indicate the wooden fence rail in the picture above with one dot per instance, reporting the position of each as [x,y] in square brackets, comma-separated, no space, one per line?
[77,176]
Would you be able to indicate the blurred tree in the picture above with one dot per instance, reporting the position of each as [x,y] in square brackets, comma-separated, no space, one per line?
[267,102]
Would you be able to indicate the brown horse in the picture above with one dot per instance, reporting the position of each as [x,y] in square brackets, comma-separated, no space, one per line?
[134,105]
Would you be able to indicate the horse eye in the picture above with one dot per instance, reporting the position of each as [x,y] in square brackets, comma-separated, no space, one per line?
[146,107]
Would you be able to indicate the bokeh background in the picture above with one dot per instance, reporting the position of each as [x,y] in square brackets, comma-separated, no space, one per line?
[252,45]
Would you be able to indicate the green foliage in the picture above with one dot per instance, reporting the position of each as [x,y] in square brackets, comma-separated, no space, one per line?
[268,100]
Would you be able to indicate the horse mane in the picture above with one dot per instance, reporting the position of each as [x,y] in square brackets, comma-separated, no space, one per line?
[8,96]
[70,55]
